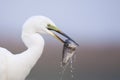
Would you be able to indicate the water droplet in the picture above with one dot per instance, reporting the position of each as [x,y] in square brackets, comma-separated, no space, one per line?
[72,76]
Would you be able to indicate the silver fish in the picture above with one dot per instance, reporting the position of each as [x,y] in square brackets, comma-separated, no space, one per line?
[69,49]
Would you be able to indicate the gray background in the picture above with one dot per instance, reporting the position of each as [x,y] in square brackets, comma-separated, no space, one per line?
[94,24]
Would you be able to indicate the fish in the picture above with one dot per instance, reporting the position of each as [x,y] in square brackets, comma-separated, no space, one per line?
[69,50]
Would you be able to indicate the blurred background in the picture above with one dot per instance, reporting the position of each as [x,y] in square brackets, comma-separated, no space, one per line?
[94,24]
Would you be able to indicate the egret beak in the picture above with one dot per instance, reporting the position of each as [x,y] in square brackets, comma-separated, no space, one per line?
[53,28]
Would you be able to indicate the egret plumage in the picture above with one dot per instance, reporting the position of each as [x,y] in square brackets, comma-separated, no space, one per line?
[18,66]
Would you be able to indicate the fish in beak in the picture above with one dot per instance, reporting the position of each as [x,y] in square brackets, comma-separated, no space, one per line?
[69,44]
[53,28]
[69,49]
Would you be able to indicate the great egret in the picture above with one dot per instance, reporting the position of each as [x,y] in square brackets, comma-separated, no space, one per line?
[17,67]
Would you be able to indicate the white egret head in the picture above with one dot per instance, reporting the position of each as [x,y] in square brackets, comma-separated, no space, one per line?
[42,24]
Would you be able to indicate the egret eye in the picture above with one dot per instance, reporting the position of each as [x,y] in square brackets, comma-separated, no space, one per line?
[48,24]
[48,27]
